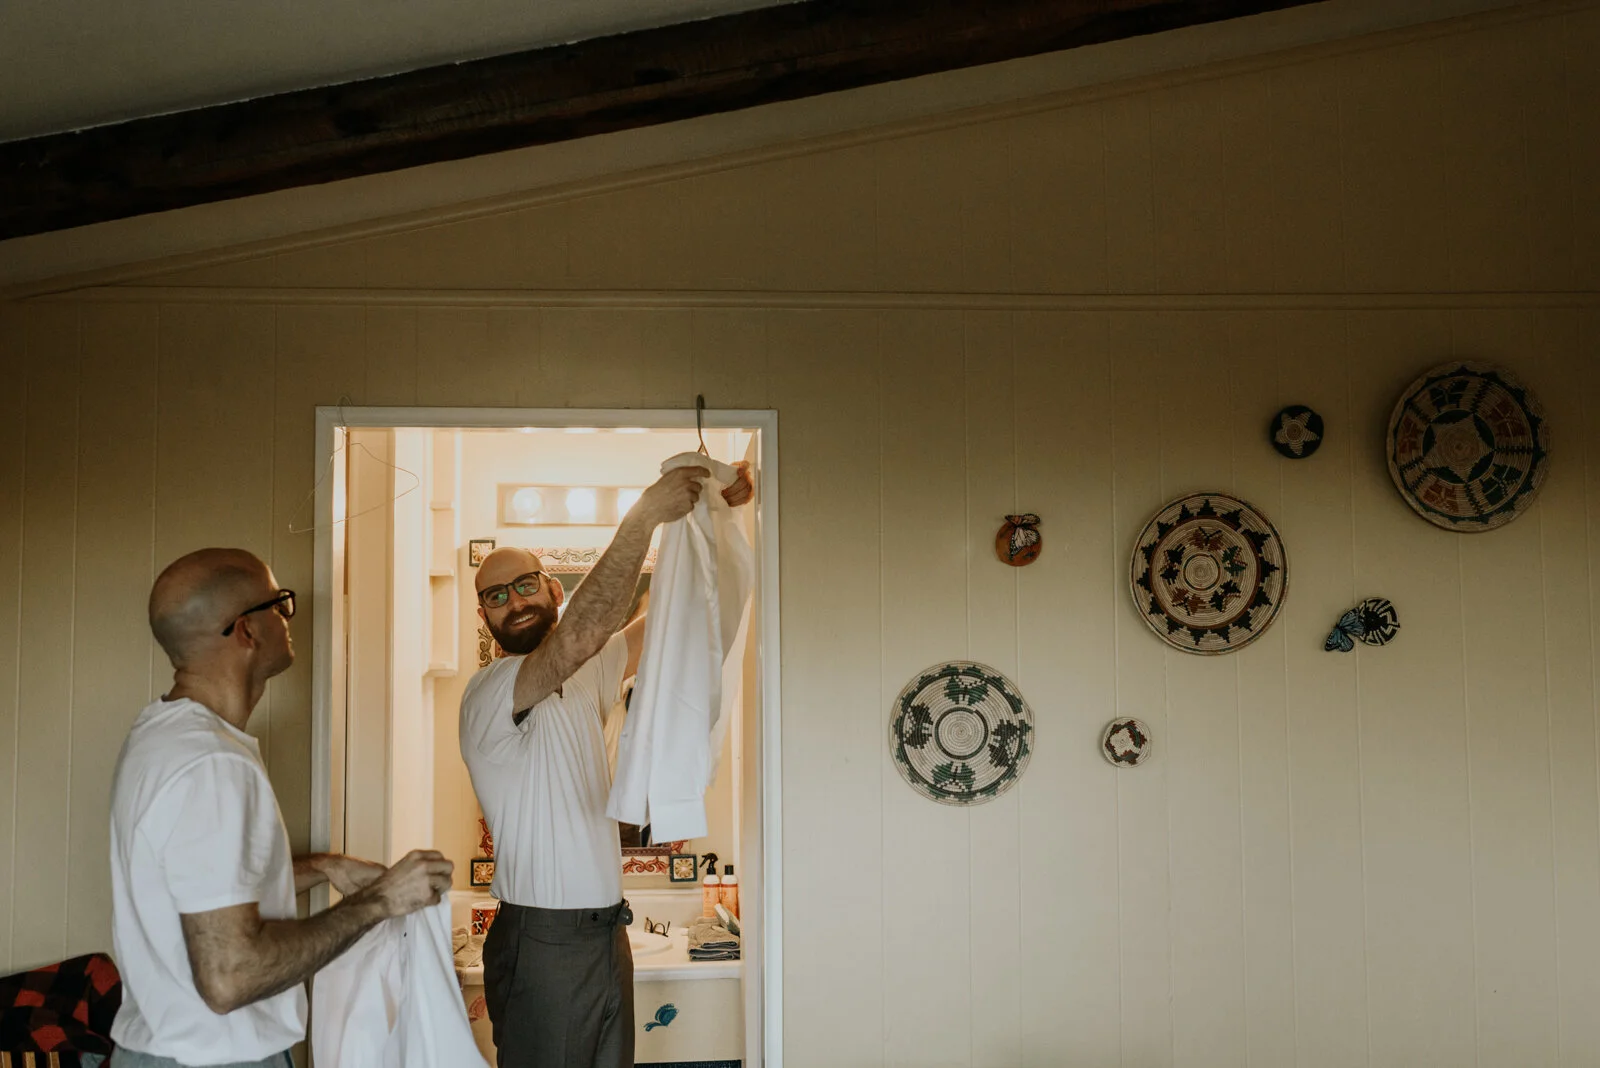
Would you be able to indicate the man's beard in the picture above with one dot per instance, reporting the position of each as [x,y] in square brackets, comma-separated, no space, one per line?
[525,638]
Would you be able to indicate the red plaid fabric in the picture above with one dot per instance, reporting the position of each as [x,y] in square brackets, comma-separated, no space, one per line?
[59,1011]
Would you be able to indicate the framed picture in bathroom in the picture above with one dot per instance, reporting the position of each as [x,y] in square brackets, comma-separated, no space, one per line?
[685,867]
[478,549]
[482,873]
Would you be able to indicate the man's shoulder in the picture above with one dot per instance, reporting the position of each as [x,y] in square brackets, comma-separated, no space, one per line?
[169,737]
[481,690]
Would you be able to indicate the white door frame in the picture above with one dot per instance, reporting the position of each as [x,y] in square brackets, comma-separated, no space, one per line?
[769,1019]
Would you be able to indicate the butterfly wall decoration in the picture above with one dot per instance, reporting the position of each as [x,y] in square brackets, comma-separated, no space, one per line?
[1372,622]
[1018,542]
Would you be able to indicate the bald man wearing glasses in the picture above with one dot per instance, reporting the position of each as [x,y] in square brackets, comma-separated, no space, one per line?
[213,957]
[558,971]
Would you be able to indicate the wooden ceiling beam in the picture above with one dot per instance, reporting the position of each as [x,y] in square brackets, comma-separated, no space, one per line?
[546,95]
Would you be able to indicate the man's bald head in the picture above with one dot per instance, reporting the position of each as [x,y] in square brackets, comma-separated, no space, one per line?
[198,594]
[504,564]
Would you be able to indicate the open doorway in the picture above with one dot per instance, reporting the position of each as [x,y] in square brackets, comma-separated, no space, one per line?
[410,501]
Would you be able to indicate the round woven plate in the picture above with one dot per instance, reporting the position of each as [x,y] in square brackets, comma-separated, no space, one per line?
[961,734]
[1209,574]
[1126,742]
[1468,446]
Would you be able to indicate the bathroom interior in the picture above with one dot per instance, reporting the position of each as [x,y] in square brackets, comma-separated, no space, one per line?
[421,506]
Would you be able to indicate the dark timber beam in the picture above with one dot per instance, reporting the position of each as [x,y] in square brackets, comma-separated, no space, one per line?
[546,95]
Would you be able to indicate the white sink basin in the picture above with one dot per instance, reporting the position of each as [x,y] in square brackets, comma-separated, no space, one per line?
[646,944]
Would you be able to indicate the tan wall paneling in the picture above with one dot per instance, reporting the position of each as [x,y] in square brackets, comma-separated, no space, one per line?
[1066,664]
[13,461]
[1504,684]
[1387,857]
[1143,818]
[927,849]
[826,370]
[45,703]
[313,364]
[115,542]
[993,618]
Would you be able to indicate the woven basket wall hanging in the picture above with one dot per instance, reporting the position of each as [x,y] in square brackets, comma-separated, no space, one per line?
[1468,446]
[1209,574]
[960,733]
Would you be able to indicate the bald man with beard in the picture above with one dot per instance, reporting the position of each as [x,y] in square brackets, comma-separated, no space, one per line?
[558,970]
[212,956]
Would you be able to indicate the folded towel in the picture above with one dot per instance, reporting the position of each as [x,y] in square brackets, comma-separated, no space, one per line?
[710,940]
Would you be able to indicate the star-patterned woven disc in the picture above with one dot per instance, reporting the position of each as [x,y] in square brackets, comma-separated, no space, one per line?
[1468,446]
[1209,574]
[1297,432]
[960,733]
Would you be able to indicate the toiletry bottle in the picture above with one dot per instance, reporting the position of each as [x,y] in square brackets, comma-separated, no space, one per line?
[728,893]
[710,890]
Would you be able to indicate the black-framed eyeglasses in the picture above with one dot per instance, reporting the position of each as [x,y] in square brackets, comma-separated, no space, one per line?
[282,603]
[496,596]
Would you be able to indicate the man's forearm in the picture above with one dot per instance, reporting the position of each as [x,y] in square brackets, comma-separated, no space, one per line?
[597,610]
[281,954]
[601,602]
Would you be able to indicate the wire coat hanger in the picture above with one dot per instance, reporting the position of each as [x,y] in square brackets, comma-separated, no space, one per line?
[699,423]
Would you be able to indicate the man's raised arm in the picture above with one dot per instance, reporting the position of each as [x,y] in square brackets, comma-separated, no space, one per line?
[601,602]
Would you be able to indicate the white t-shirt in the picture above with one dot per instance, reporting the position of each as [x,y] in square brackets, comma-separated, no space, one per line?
[543,783]
[194,827]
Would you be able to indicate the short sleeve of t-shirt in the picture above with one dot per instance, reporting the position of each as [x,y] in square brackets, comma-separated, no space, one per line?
[602,676]
[216,830]
[487,723]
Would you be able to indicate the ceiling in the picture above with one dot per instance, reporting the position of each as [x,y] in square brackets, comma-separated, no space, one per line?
[64,66]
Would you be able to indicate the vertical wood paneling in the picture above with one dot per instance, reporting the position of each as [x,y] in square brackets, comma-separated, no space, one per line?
[1414,796]
[819,223]
[453,359]
[1244,125]
[927,870]
[1130,201]
[1393,167]
[1567,631]
[584,357]
[1578,800]
[1324,758]
[389,356]
[825,367]
[1492,84]
[1144,857]
[726,248]
[13,461]
[1187,179]
[663,361]
[1580,31]
[1056,201]
[1509,754]
[911,186]
[49,585]
[312,367]
[215,430]
[998,915]
[1202,735]
[1068,670]
[728,358]
[1259,473]
[1305,154]
[115,532]
[512,360]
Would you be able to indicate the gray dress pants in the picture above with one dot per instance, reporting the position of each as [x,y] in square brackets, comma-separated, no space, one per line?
[559,987]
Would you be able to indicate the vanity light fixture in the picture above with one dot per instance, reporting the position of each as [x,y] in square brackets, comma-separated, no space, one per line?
[584,506]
